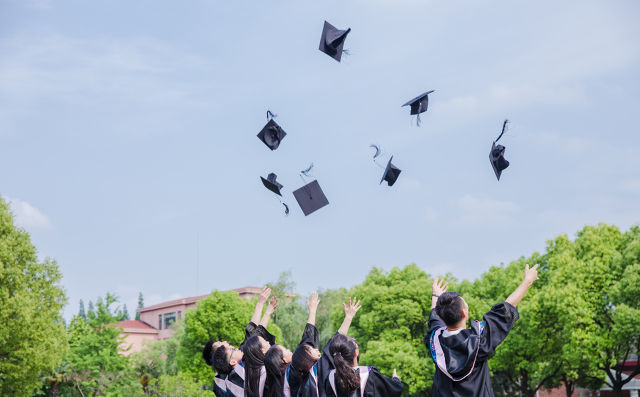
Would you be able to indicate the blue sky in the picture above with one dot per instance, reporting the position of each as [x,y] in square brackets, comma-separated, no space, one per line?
[128,147]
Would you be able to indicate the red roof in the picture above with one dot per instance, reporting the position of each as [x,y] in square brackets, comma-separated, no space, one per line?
[132,324]
[194,299]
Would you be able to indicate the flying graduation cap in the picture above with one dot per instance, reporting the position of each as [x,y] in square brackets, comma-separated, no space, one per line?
[310,197]
[273,185]
[271,134]
[496,155]
[332,40]
[391,172]
[419,105]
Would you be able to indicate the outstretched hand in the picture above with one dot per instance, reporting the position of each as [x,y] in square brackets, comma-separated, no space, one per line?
[352,308]
[264,295]
[395,374]
[531,275]
[312,302]
[439,287]
[273,304]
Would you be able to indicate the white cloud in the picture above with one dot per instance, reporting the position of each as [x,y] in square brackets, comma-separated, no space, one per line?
[28,216]
[476,211]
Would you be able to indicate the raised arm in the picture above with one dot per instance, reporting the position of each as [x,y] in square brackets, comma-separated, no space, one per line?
[349,312]
[438,288]
[530,275]
[271,307]
[262,299]
[312,304]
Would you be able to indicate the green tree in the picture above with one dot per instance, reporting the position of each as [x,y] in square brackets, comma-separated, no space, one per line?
[140,305]
[90,309]
[220,316]
[291,314]
[176,385]
[81,311]
[391,326]
[32,338]
[124,314]
[330,305]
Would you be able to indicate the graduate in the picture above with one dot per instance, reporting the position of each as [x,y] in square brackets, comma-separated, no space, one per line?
[301,375]
[227,360]
[461,353]
[348,379]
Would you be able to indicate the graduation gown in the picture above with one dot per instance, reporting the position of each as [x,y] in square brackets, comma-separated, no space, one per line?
[235,380]
[372,384]
[220,385]
[325,365]
[307,385]
[461,359]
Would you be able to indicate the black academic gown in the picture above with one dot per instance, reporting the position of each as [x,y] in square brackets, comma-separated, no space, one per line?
[377,385]
[306,385]
[220,385]
[235,379]
[325,365]
[464,355]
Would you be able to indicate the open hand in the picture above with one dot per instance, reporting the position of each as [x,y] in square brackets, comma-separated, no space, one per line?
[439,287]
[352,308]
[273,303]
[264,295]
[395,374]
[312,302]
[531,275]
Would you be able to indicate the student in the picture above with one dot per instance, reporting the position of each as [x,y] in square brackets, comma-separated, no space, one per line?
[301,375]
[226,360]
[254,349]
[461,353]
[348,379]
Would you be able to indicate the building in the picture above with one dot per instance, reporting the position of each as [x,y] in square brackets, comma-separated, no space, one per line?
[155,320]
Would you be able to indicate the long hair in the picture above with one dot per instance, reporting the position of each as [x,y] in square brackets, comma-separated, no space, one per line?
[253,362]
[301,361]
[275,366]
[449,307]
[343,350]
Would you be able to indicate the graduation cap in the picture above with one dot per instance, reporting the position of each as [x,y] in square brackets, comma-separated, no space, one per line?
[271,134]
[496,155]
[391,172]
[310,197]
[332,40]
[419,104]
[273,185]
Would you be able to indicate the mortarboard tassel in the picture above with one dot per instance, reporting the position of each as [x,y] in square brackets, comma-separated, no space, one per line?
[418,120]
[377,148]
[286,209]
[269,113]
[306,172]
[504,129]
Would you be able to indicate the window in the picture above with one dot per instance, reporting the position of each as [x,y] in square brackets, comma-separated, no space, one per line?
[169,318]
[159,321]
[179,314]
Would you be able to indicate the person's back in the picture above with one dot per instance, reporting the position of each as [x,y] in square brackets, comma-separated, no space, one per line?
[461,353]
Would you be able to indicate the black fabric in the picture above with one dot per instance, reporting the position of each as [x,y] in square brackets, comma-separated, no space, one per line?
[460,352]
[391,173]
[217,390]
[498,162]
[272,134]
[253,329]
[332,40]
[325,365]
[419,104]
[310,197]
[271,183]
[377,385]
[304,386]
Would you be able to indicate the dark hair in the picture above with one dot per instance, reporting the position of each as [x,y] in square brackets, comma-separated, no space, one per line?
[220,362]
[207,353]
[253,362]
[449,307]
[301,361]
[343,350]
[275,366]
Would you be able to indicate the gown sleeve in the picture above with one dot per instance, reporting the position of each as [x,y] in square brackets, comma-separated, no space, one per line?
[497,323]
[310,336]
[252,329]
[379,385]
[435,322]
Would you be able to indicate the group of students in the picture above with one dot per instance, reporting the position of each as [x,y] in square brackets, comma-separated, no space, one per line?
[261,368]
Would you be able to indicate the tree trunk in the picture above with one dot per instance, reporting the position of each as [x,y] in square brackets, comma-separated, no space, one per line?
[618,391]
[54,390]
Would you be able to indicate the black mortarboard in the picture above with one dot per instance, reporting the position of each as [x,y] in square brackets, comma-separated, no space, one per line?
[419,104]
[310,197]
[272,134]
[496,155]
[391,173]
[271,183]
[332,40]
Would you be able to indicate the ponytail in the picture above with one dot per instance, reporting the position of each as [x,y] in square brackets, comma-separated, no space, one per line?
[275,366]
[343,350]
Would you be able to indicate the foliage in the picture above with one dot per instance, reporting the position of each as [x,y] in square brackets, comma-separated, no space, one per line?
[291,314]
[32,338]
[140,305]
[176,385]
[220,316]
[330,305]
[81,311]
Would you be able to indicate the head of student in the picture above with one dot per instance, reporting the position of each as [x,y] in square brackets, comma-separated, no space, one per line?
[345,351]
[225,357]
[209,348]
[452,309]
[303,359]
[254,349]
[275,362]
